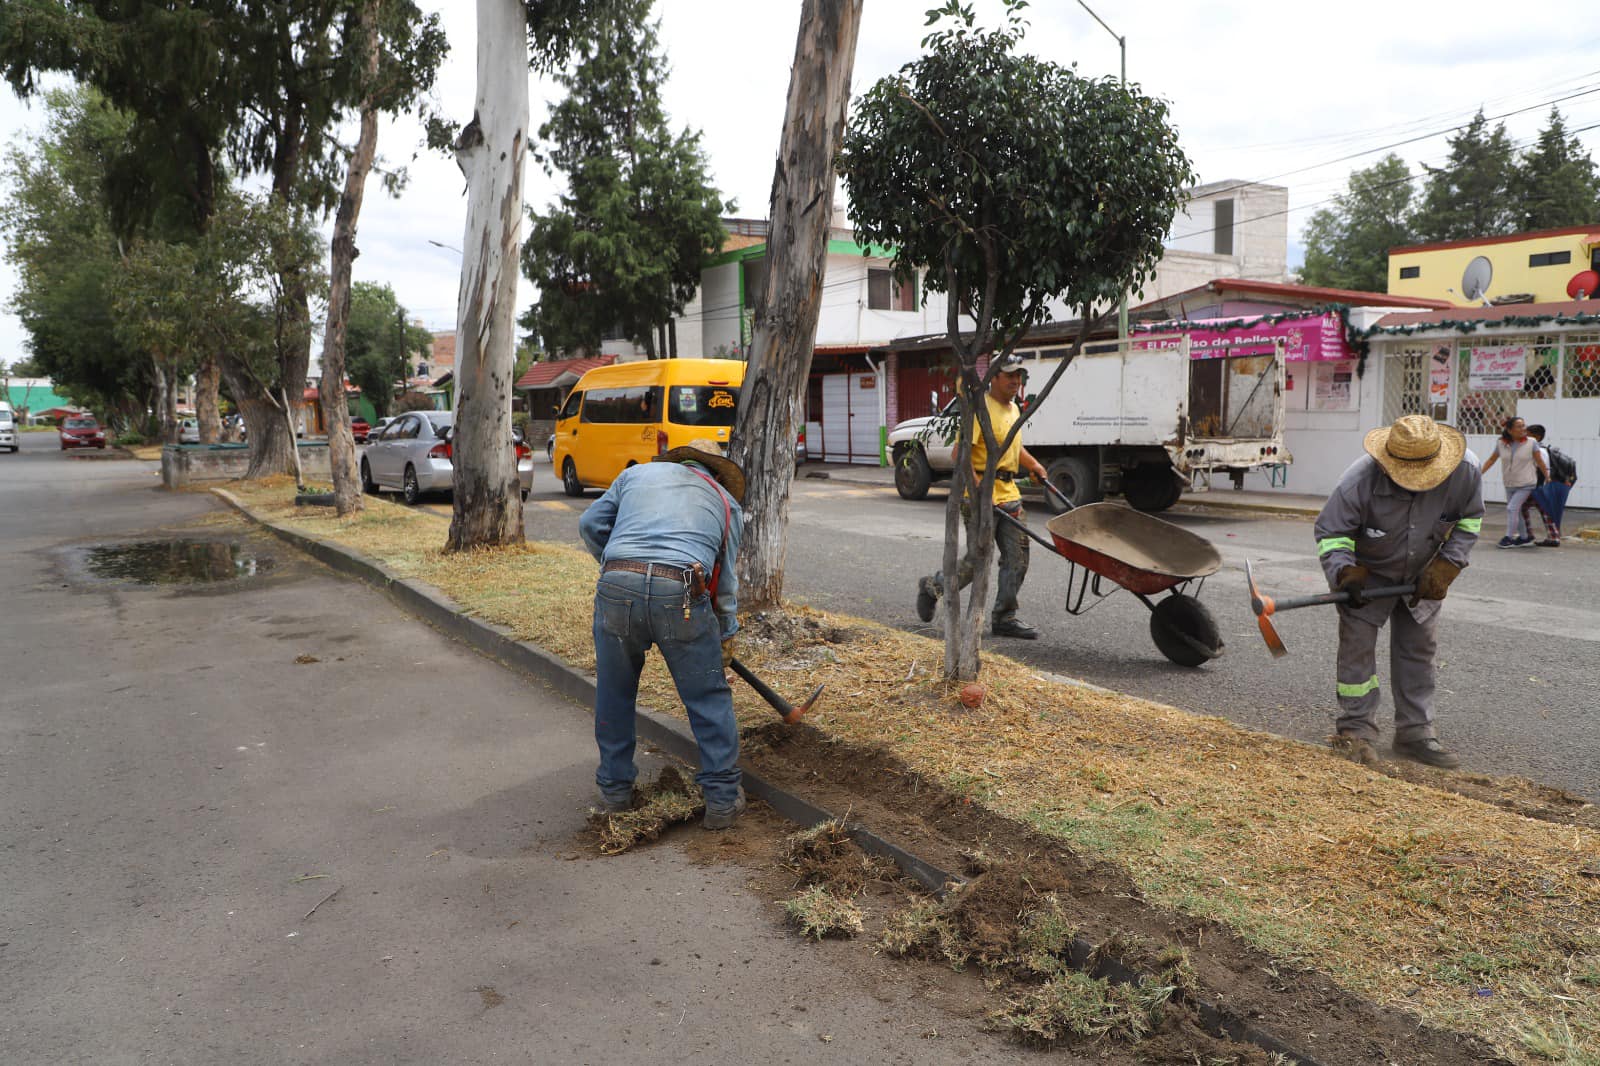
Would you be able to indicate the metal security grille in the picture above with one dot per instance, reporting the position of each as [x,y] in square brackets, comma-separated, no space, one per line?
[1405,383]
[1582,378]
[1484,411]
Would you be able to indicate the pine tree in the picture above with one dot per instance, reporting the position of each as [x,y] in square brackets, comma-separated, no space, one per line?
[624,245]
[1347,244]
[1555,183]
[1471,195]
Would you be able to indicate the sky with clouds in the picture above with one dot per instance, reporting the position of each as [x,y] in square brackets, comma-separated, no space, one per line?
[1294,94]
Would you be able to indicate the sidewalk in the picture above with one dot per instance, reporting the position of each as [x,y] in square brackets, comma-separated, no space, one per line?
[1300,504]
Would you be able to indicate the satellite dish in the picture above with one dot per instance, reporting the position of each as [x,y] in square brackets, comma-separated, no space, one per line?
[1584,283]
[1475,279]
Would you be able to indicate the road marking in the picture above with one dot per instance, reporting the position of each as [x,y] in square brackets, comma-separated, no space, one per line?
[557,505]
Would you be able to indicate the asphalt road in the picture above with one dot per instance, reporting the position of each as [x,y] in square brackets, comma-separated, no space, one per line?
[213,853]
[1520,637]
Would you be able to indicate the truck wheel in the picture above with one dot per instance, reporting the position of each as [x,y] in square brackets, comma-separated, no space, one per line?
[1185,631]
[912,475]
[1075,478]
[1151,488]
[569,479]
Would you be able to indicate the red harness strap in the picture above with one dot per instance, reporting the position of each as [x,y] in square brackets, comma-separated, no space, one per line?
[727,519]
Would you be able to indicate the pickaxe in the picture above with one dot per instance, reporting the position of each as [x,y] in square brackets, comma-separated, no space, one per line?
[1265,606]
[787,711]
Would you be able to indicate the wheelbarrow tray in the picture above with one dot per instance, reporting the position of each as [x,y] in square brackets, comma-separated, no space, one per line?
[1140,552]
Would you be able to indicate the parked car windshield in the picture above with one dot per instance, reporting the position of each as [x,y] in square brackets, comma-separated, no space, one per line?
[80,423]
[440,421]
[702,405]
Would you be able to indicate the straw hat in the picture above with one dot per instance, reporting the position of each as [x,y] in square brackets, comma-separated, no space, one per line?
[708,453]
[1416,452]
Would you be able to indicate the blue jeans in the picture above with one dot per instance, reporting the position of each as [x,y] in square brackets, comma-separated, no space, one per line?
[632,612]
[1555,502]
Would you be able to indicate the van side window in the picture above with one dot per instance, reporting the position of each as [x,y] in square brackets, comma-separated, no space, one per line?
[640,404]
[570,408]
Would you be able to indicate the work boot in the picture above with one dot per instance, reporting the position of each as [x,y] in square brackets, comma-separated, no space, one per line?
[927,598]
[615,804]
[1012,627]
[1356,748]
[1429,752]
[723,817]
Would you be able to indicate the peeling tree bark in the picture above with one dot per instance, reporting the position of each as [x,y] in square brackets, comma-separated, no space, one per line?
[490,152]
[335,407]
[791,295]
[206,381]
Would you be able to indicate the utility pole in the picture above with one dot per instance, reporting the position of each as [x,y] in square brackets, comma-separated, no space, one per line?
[1122,45]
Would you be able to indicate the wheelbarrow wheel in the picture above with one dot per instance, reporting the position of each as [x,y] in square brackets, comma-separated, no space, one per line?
[1185,631]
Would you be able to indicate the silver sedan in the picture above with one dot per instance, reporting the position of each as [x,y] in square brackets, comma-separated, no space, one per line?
[412,455]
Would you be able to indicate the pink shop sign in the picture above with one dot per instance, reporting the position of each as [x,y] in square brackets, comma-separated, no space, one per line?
[1313,339]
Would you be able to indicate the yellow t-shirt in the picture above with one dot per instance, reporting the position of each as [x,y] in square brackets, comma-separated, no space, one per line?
[1002,418]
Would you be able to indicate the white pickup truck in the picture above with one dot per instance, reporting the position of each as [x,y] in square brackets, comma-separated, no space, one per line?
[1145,420]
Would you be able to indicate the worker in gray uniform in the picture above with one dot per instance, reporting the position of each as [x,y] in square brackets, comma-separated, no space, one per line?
[1409,510]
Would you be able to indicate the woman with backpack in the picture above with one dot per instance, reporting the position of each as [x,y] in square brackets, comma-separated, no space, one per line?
[1561,475]
[1523,465]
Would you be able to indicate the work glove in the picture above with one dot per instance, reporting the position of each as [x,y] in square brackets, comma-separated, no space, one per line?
[1435,580]
[728,651]
[1353,579]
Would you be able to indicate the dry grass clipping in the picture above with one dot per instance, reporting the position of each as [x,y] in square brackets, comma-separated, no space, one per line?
[818,913]
[1415,897]
[826,855]
[668,801]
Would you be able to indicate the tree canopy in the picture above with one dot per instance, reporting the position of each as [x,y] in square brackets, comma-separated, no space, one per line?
[1348,242]
[1555,184]
[380,343]
[623,246]
[1472,194]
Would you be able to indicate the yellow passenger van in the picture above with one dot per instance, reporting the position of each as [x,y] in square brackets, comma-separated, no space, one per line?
[629,413]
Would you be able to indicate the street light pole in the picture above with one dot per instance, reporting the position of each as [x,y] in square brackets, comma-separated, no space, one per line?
[1122,46]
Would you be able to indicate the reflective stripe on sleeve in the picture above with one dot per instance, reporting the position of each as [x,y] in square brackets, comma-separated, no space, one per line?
[1333,544]
[1359,689]
[1470,525]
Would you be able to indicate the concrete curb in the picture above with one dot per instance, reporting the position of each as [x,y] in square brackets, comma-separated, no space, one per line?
[672,736]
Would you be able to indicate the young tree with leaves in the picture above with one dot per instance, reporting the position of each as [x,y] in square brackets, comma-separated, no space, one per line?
[1472,194]
[790,298]
[623,246]
[1012,180]
[1555,184]
[1347,244]
[380,344]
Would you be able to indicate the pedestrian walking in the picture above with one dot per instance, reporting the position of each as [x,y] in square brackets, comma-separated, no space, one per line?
[1010,541]
[1522,466]
[1551,495]
[1409,511]
[666,534]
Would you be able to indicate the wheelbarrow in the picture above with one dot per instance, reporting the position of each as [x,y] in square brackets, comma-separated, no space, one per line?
[1108,548]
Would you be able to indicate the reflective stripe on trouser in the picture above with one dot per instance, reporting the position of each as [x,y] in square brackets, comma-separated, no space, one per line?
[1411,675]
[1011,544]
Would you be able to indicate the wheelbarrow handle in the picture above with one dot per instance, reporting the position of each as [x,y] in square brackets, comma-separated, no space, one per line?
[1061,497]
[1050,545]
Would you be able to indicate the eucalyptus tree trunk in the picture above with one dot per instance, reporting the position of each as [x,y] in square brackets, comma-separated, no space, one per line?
[791,294]
[335,407]
[490,151]
[206,409]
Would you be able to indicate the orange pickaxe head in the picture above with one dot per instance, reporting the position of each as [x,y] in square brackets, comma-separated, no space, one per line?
[1263,606]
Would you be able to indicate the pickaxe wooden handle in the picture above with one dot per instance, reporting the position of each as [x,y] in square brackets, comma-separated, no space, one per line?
[1265,606]
[787,711]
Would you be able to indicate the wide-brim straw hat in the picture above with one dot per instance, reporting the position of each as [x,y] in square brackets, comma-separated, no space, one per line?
[708,453]
[1416,452]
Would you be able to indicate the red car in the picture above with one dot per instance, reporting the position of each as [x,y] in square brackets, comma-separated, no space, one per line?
[81,431]
[359,428]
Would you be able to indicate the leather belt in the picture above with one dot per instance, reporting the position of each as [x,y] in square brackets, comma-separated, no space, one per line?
[675,573]
[1005,475]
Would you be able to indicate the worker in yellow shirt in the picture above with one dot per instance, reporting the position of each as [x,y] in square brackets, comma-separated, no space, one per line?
[1011,542]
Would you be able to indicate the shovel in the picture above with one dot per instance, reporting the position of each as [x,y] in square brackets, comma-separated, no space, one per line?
[1265,606]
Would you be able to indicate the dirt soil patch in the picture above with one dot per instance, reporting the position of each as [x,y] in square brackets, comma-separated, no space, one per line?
[1324,897]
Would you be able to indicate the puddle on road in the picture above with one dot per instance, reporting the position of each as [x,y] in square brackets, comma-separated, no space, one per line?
[176,562]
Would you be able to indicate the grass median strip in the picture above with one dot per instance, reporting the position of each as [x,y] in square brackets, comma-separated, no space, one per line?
[1471,917]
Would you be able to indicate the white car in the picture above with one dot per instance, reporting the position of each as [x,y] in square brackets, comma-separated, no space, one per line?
[8,428]
[189,431]
[413,454]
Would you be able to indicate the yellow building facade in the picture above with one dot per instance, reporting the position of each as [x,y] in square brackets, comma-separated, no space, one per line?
[1533,265]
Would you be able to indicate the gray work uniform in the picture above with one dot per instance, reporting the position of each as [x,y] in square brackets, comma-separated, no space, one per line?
[1393,532]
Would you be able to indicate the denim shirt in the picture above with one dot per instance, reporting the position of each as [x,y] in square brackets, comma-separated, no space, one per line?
[670,513]
[1394,532]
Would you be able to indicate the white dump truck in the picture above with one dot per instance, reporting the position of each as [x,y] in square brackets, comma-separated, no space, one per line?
[1146,420]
